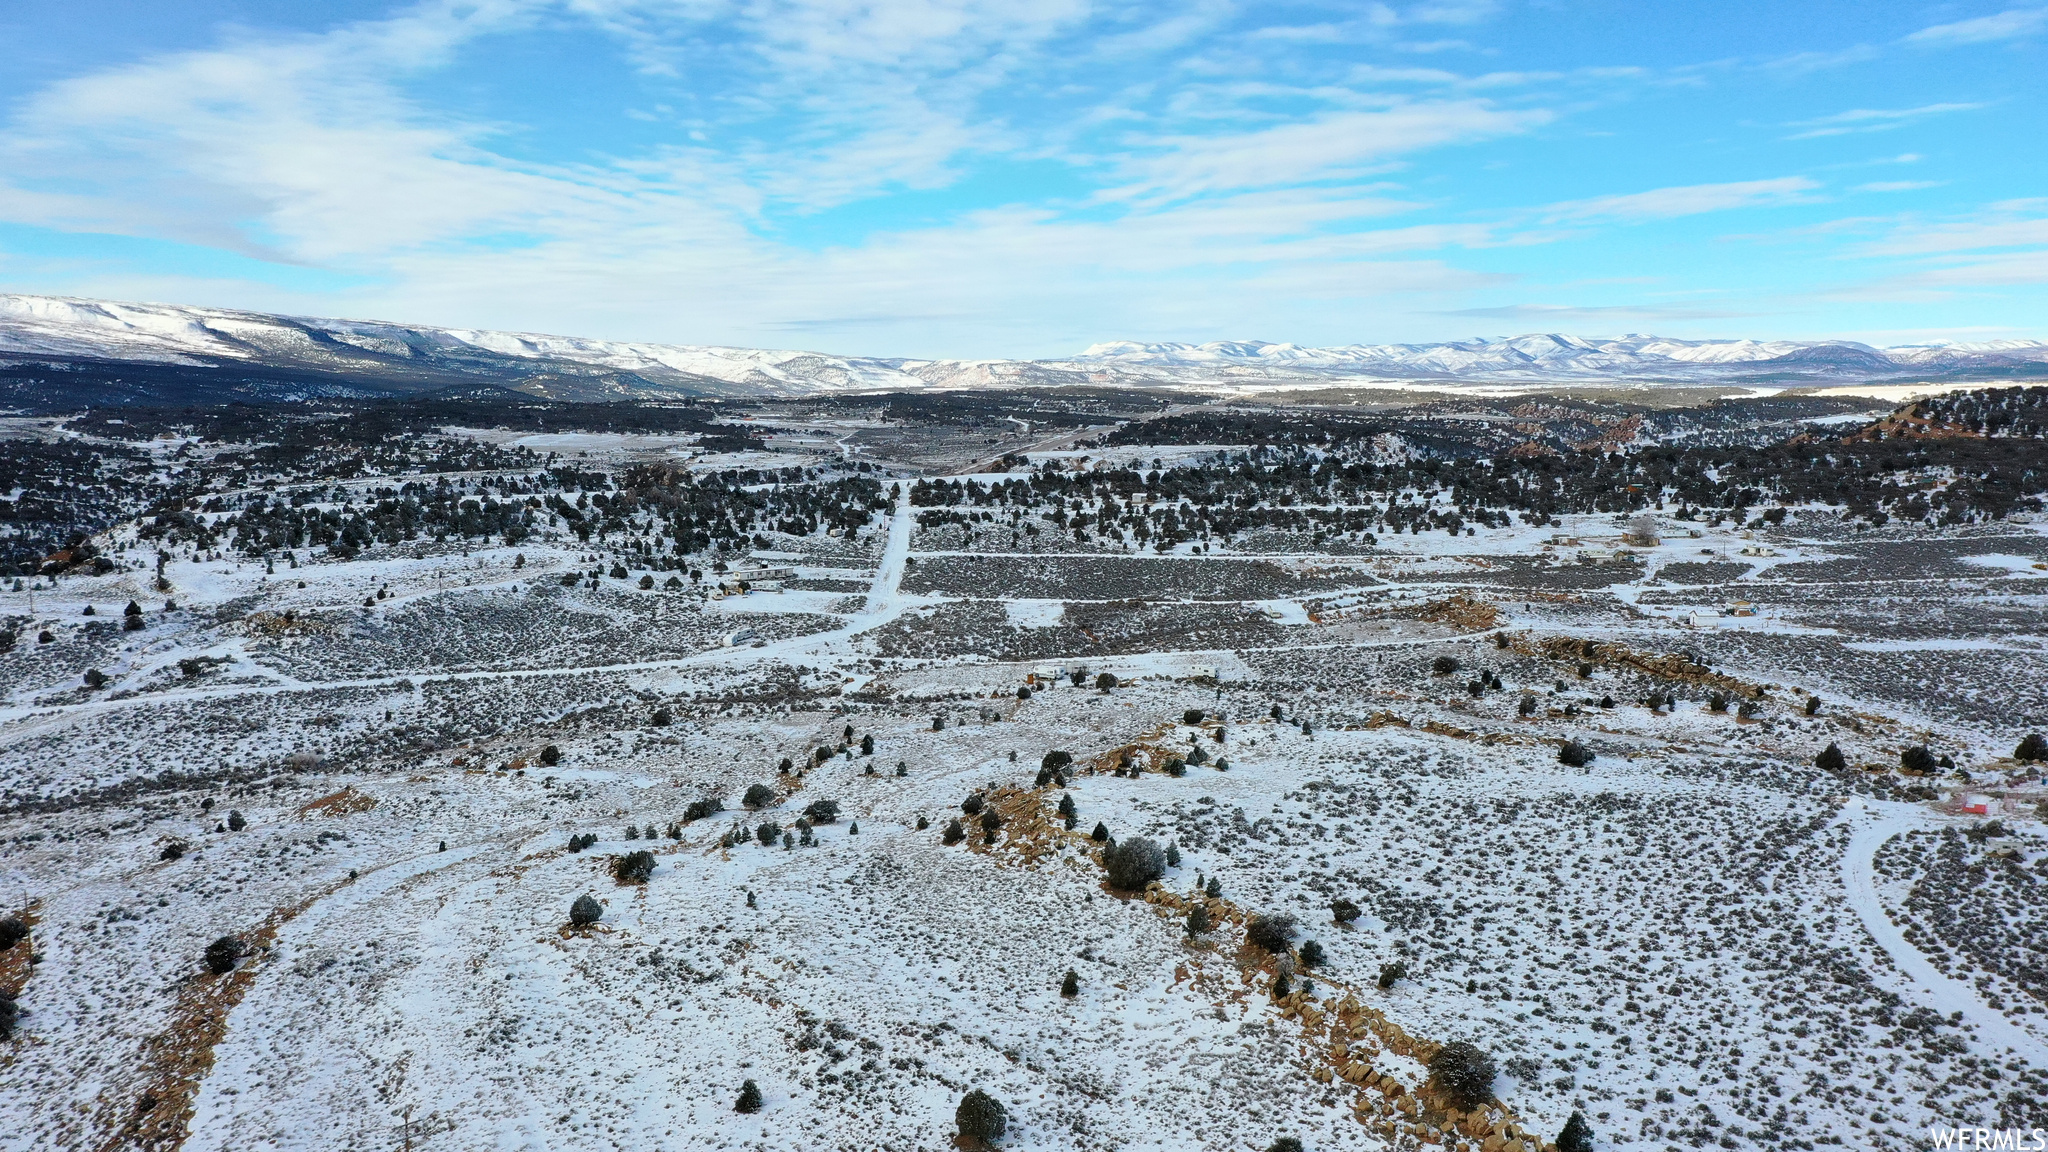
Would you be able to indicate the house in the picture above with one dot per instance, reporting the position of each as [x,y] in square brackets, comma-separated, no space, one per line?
[1642,532]
[753,574]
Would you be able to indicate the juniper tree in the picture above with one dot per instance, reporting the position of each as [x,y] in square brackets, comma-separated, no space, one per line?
[1067,804]
[235,821]
[1271,932]
[1311,954]
[1101,833]
[1071,986]
[867,744]
[634,867]
[2031,747]
[1463,1073]
[1173,855]
[981,1117]
[1577,1135]
[1343,911]
[13,930]
[585,910]
[990,821]
[822,811]
[1813,705]
[1198,920]
[1831,759]
[1133,863]
[1285,1144]
[750,1098]
[1917,759]
[1444,665]
[759,796]
[222,954]
[1214,890]
[1574,754]
[954,833]
[768,833]
[551,755]
[1392,973]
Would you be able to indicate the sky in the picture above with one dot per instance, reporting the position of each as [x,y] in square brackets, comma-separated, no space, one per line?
[1023,178]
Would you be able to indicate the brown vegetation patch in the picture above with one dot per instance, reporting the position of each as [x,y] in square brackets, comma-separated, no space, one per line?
[346,802]
[288,625]
[155,1110]
[17,964]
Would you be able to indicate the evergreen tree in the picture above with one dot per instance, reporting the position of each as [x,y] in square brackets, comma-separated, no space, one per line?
[981,1117]
[1577,1135]
[1464,1073]
[1071,986]
[1831,759]
[750,1098]
[222,954]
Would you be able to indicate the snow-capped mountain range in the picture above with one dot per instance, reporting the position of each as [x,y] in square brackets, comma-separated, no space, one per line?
[377,356]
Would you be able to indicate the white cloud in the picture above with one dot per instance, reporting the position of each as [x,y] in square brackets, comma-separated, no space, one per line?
[1899,185]
[2011,24]
[1871,120]
[1550,315]
[1329,146]
[1689,200]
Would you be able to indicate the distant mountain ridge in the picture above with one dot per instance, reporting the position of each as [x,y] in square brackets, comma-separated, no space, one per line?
[173,353]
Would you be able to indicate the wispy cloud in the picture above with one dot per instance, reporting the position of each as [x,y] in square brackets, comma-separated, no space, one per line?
[1688,200]
[1564,315]
[1334,145]
[2011,24]
[1871,120]
[1899,185]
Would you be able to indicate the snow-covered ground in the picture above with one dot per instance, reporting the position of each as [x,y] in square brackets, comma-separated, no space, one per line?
[1684,940]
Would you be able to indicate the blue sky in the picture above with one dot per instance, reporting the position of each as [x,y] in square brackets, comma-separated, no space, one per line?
[1026,177]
